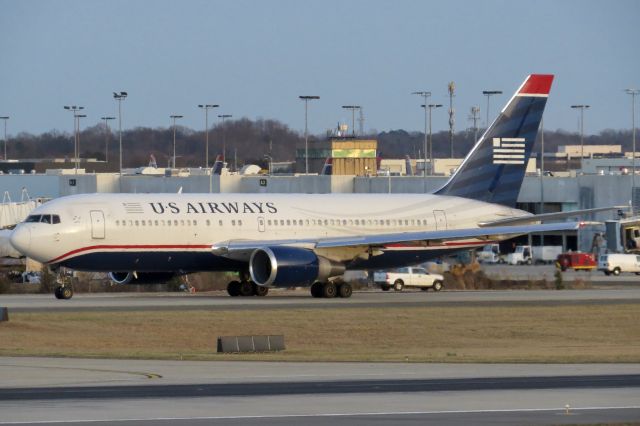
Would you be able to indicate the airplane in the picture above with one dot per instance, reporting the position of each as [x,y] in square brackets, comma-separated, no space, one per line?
[294,240]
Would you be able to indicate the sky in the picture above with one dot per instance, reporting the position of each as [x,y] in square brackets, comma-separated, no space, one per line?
[254,58]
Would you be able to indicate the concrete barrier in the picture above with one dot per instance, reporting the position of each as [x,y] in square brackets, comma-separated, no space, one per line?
[4,314]
[237,344]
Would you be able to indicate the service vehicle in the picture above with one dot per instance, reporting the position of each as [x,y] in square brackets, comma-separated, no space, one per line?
[577,261]
[617,263]
[490,254]
[408,277]
[537,254]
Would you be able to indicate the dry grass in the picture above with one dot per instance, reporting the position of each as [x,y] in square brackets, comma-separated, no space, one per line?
[607,333]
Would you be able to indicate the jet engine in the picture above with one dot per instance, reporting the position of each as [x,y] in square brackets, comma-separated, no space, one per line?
[140,277]
[281,266]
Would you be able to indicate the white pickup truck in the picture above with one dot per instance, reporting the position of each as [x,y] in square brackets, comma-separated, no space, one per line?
[408,277]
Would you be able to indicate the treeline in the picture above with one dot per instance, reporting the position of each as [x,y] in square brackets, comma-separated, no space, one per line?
[252,141]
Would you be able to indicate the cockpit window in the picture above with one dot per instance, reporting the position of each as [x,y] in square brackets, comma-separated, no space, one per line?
[43,218]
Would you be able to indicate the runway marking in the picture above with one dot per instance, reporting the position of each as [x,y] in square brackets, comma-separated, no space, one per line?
[560,410]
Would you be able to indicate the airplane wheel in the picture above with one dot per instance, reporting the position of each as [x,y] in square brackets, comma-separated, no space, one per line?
[66,293]
[246,288]
[233,288]
[259,290]
[58,293]
[316,289]
[345,290]
[329,290]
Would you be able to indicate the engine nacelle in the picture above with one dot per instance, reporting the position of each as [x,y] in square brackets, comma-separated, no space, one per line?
[140,277]
[281,266]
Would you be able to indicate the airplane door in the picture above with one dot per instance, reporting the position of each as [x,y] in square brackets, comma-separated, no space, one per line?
[261,224]
[97,224]
[441,219]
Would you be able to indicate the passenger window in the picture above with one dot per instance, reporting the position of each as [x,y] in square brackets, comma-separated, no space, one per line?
[307,221]
[220,222]
[281,222]
[168,223]
[239,223]
[195,223]
[208,222]
[156,223]
[269,222]
[175,223]
[233,223]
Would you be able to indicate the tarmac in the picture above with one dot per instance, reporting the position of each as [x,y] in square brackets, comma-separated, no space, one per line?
[134,392]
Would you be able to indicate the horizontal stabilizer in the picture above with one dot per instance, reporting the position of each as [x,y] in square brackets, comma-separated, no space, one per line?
[547,216]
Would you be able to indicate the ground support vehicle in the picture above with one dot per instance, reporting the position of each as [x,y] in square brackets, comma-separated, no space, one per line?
[408,277]
[576,261]
[617,263]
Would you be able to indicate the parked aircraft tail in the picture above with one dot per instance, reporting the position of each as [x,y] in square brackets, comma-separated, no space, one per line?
[218,165]
[327,169]
[494,169]
[409,169]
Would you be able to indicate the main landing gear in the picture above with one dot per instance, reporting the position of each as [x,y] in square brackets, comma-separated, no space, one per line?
[329,290]
[246,289]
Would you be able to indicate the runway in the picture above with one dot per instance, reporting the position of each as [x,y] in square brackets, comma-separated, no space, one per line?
[289,299]
[123,392]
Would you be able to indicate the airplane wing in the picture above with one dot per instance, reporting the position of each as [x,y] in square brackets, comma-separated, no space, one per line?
[546,216]
[242,249]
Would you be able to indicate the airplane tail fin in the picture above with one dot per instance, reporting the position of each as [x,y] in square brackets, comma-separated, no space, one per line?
[327,169]
[494,169]
[409,169]
[218,165]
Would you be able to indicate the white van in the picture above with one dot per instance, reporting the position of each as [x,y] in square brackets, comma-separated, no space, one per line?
[617,263]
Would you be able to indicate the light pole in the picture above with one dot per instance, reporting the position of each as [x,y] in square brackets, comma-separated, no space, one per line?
[224,136]
[107,132]
[78,117]
[431,106]
[75,109]
[581,108]
[174,118]
[120,97]
[475,116]
[206,108]
[426,96]
[633,93]
[306,99]
[5,136]
[353,109]
[488,94]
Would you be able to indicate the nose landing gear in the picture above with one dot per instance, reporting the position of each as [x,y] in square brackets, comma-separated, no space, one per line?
[64,289]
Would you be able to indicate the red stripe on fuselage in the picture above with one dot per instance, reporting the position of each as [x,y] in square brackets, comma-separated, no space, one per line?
[127,247]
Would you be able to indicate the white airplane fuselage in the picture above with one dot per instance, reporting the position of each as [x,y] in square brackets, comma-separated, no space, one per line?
[176,232]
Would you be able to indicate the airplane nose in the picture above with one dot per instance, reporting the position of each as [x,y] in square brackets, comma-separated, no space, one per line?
[21,239]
